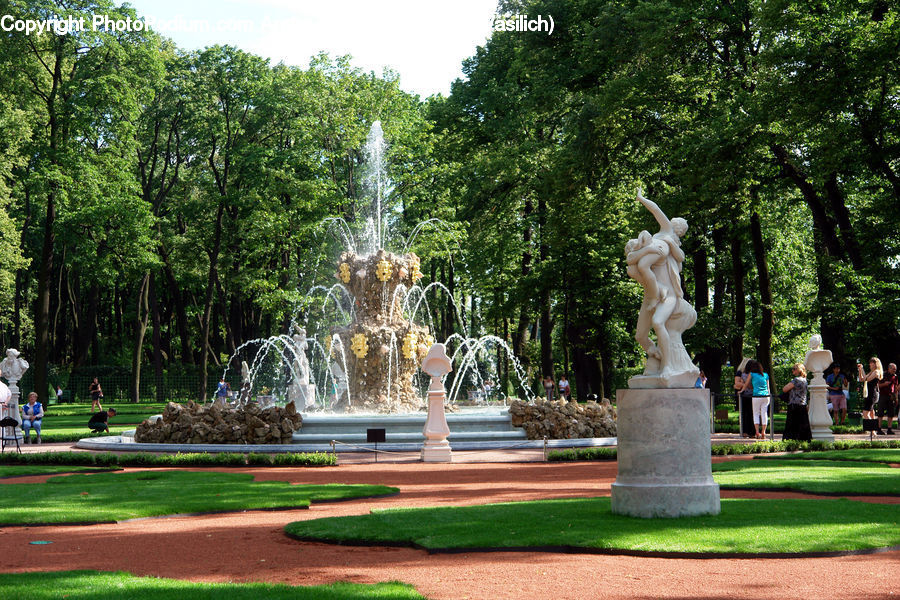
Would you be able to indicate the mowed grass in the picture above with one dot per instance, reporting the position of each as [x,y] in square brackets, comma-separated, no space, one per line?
[94,585]
[68,422]
[743,526]
[25,470]
[881,455]
[810,475]
[118,496]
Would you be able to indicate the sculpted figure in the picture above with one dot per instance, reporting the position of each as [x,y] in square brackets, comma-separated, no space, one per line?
[13,366]
[655,262]
[301,363]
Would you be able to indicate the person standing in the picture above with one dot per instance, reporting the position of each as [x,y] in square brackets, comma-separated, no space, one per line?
[835,381]
[870,391]
[549,388]
[96,393]
[887,393]
[59,395]
[758,382]
[32,413]
[796,425]
[564,391]
[221,392]
[745,398]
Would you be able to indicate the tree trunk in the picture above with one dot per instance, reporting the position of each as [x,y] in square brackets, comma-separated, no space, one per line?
[740,301]
[86,329]
[45,268]
[208,300]
[839,208]
[141,319]
[181,322]
[157,341]
[767,322]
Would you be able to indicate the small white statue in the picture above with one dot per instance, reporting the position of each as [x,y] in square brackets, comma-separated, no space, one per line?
[817,359]
[655,262]
[301,363]
[244,396]
[13,367]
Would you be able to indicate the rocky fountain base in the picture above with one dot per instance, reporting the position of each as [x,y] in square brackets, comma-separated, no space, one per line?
[195,424]
[560,420]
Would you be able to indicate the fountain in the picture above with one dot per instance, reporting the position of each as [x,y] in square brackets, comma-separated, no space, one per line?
[353,361]
[364,354]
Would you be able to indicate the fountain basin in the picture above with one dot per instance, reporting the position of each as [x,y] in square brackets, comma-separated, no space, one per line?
[470,430]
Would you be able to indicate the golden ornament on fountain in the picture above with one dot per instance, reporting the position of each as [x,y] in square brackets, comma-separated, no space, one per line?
[359,345]
[414,265]
[383,270]
[344,272]
[409,345]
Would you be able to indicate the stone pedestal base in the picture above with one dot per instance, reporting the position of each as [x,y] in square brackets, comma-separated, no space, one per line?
[436,452]
[664,454]
[819,420]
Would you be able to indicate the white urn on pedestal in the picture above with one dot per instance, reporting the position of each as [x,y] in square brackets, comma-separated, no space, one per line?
[817,361]
[436,430]
[12,368]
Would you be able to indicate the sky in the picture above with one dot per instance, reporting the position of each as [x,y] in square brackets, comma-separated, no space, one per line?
[425,41]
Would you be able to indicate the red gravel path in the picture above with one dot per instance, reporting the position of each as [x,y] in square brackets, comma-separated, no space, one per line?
[252,547]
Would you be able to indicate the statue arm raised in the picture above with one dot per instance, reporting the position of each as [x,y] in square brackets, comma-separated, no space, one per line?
[664,223]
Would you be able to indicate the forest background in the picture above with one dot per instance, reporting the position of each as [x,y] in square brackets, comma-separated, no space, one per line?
[160,207]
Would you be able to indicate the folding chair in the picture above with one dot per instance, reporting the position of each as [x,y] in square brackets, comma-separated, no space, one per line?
[8,427]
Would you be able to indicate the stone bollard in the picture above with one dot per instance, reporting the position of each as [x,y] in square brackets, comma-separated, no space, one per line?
[436,447]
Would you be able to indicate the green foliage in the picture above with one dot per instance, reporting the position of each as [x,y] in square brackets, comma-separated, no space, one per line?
[192,459]
[116,496]
[571,454]
[744,526]
[213,170]
[857,446]
[813,476]
[81,585]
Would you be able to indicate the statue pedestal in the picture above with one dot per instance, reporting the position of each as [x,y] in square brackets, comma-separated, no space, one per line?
[817,360]
[819,420]
[436,447]
[664,454]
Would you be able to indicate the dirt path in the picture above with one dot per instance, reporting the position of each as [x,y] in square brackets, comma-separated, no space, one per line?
[252,547]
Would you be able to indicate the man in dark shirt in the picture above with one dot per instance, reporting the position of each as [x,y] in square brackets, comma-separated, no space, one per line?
[99,420]
[887,394]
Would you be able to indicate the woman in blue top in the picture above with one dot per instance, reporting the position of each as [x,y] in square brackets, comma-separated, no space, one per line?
[32,413]
[759,383]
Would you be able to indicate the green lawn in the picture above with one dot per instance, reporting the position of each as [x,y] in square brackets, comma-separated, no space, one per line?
[118,496]
[23,470]
[810,475]
[94,585]
[744,526]
[881,455]
[68,422]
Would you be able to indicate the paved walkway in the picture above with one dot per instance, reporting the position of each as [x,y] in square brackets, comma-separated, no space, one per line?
[251,546]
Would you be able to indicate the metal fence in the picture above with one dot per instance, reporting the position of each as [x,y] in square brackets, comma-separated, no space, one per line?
[116,383]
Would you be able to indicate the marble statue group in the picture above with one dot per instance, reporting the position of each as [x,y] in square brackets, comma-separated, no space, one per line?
[655,262]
